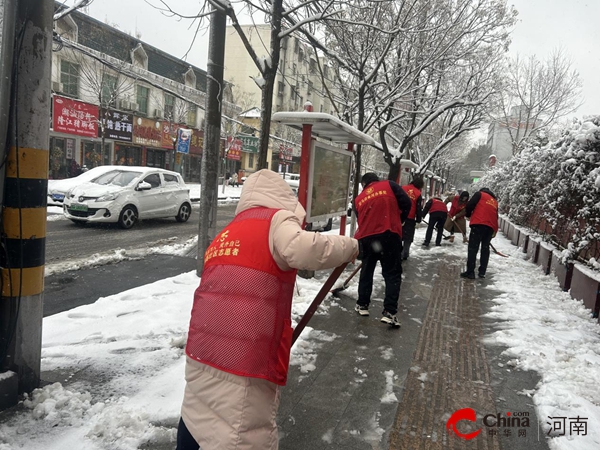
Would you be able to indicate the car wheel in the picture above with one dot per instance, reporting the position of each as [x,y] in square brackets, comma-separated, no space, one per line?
[184,213]
[128,217]
[79,223]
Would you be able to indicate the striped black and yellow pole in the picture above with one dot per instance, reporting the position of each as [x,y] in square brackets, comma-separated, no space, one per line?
[23,223]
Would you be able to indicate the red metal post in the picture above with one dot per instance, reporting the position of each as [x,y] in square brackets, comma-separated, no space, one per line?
[304,164]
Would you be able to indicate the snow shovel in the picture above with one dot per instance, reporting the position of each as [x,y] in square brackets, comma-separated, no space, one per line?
[461,230]
[317,301]
[344,285]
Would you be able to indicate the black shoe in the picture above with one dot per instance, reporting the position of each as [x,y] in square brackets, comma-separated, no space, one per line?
[438,245]
[404,258]
[469,275]
[390,319]
[482,275]
[426,244]
[362,310]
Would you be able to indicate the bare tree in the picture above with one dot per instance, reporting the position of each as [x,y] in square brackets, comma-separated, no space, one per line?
[536,94]
[443,74]
[284,19]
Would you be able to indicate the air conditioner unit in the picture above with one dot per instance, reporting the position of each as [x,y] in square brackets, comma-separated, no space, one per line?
[123,104]
[133,106]
[57,86]
[158,113]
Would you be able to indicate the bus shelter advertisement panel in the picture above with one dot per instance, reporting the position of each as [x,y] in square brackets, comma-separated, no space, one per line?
[329,183]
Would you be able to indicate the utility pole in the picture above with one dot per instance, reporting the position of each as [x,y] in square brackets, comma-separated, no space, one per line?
[24,197]
[212,139]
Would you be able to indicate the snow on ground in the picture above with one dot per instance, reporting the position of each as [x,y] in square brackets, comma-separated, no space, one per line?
[134,341]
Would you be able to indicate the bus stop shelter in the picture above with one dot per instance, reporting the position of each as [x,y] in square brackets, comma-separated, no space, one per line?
[327,128]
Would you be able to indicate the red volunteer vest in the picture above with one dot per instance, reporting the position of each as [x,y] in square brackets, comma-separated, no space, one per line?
[414,194]
[437,206]
[486,212]
[241,318]
[455,208]
[378,210]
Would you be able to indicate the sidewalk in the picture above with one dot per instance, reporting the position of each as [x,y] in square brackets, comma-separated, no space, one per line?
[354,383]
[379,388]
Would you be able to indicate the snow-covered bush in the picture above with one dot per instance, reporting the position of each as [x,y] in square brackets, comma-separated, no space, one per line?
[555,189]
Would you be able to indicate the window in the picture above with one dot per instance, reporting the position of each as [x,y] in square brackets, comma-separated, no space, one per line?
[280,88]
[169,106]
[153,179]
[69,77]
[142,97]
[170,178]
[313,66]
[108,92]
[251,160]
[191,115]
[294,68]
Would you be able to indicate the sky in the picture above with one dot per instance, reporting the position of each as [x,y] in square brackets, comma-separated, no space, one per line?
[543,25]
[136,338]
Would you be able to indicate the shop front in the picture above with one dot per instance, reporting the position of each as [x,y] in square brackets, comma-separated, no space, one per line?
[147,133]
[63,163]
[117,126]
[128,155]
[192,162]
[74,127]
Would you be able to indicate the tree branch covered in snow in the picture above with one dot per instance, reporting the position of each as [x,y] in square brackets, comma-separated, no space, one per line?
[554,188]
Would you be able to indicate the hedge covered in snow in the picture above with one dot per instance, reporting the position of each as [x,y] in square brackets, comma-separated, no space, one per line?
[554,189]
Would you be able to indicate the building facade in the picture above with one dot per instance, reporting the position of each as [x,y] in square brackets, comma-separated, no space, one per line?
[298,80]
[503,133]
[118,100]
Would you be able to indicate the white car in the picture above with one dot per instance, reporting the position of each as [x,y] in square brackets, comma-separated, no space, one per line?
[127,194]
[292,179]
[57,189]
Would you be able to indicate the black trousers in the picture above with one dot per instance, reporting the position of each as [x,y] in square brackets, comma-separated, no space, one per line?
[436,220]
[386,248]
[408,234]
[479,235]
[185,440]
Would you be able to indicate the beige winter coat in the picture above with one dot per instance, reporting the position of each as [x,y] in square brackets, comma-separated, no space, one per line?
[223,411]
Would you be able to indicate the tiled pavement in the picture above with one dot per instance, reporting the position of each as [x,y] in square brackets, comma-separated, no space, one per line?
[436,363]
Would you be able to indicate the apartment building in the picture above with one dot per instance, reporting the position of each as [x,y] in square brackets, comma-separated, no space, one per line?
[503,132]
[298,80]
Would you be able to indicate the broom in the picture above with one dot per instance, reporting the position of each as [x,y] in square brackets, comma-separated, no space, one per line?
[344,285]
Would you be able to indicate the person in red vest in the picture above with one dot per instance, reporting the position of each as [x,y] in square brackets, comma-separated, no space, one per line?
[380,208]
[240,332]
[438,212]
[413,190]
[456,221]
[483,211]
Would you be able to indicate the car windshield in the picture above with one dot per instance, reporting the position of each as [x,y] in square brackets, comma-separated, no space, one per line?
[117,178]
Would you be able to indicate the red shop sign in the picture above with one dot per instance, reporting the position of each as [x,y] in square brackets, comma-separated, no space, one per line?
[74,117]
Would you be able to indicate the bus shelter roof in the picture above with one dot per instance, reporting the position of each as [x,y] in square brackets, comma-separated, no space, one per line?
[324,126]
